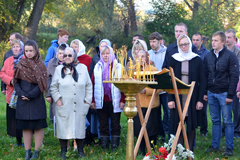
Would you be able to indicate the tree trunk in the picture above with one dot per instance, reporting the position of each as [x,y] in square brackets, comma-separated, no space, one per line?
[32,25]
[132,16]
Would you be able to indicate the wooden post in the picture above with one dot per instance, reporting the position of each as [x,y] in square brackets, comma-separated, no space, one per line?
[181,116]
[143,129]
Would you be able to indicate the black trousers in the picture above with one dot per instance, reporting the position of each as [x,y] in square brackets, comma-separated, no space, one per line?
[204,121]
[103,118]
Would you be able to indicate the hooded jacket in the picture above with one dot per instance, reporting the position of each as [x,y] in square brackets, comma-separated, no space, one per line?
[51,52]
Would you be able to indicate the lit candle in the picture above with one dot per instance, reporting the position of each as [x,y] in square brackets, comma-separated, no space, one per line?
[144,71]
[131,67]
[122,59]
[110,73]
[117,71]
[150,69]
[139,68]
[107,70]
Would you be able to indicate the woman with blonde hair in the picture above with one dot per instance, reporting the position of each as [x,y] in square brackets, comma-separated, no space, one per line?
[79,47]
[107,98]
[188,67]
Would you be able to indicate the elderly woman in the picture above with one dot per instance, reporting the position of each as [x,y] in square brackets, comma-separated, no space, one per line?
[71,89]
[153,127]
[52,64]
[81,53]
[107,99]
[30,82]
[6,75]
[187,67]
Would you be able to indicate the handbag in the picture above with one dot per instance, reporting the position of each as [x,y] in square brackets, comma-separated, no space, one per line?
[13,100]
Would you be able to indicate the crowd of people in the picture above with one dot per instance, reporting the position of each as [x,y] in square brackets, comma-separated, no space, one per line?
[82,105]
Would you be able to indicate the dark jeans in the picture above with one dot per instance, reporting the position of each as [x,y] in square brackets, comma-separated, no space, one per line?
[163,98]
[236,118]
[204,121]
[103,118]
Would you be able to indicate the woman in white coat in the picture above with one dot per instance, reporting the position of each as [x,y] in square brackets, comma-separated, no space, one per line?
[71,89]
[107,99]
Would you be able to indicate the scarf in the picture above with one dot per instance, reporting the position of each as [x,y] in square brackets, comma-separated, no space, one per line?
[70,66]
[32,70]
[181,56]
[107,86]
[17,58]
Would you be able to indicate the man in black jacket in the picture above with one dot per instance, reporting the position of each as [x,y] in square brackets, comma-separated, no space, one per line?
[180,29]
[221,74]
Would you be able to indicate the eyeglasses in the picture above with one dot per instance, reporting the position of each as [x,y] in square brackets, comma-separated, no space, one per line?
[67,55]
[185,44]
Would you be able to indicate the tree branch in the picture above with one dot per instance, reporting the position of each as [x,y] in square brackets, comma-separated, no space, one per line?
[191,8]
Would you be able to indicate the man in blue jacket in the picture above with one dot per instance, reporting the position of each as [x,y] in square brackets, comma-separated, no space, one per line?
[180,29]
[62,38]
[197,40]
[221,69]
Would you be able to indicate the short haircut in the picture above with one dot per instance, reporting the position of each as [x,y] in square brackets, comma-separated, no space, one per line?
[62,46]
[25,39]
[198,34]
[231,31]
[155,35]
[16,42]
[62,32]
[221,34]
[139,36]
[17,36]
[182,24]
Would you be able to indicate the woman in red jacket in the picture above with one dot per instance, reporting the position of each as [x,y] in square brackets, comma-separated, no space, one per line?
[79,47]
[6,75]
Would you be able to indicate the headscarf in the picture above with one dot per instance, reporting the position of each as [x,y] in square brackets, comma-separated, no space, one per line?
[181,56]
[106,66]
[18,57]
[142,43]
[81,47]
[70,66]
[105,40]
[32,70]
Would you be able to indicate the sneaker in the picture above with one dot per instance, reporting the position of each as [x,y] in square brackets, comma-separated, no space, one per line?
[212,149]
[228,152]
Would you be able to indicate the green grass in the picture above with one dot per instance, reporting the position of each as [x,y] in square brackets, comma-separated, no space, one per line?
[51,146]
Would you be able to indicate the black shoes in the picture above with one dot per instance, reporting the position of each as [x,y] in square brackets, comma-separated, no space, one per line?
[28,154]
[115,142]
[80,152]
[228,152]
[63,153]
[35,155]
[212,149]
[105,142]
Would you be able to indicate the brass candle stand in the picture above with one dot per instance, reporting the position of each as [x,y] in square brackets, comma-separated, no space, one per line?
[130,87]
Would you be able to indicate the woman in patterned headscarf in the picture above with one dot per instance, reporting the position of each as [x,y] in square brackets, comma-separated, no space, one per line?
[30,83]
[6,75]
